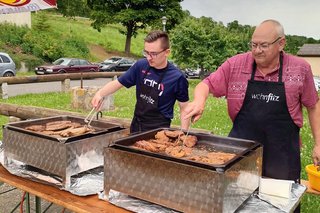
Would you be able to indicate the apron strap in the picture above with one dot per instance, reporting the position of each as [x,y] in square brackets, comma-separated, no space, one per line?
[280,68]
[146,73]
[254,67]
[161,76]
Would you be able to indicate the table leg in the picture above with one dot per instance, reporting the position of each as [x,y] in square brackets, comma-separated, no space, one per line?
[27,199]
[38,204]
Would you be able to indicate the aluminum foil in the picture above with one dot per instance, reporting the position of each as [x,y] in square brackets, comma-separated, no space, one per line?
[83,184]
[134,204]
[253,205]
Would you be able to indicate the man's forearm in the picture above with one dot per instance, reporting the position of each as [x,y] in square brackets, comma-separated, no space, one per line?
[201,93]
[314,115]
[110,88]
[184,122]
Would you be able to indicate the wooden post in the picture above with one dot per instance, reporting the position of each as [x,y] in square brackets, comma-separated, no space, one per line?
[65,85]
[4,90]
[81,81]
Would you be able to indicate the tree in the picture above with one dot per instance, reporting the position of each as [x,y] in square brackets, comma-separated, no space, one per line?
[134,14]
[201,43]
[41,22]
[72,8]
[294,43]
[241,35]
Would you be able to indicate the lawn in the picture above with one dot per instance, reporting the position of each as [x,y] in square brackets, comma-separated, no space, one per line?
[109,36]
[214,119]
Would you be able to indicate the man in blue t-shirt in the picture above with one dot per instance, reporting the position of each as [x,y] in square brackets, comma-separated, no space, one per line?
[158,85]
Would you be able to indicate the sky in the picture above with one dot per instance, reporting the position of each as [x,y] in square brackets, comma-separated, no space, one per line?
[298,17]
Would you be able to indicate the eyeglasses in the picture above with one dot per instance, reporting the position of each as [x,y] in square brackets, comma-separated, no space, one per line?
[263,46]
[151,54]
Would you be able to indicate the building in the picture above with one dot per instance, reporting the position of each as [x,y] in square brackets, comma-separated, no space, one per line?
[311,53]
[19,19]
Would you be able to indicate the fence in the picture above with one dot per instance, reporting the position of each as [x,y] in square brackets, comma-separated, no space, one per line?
[64,78]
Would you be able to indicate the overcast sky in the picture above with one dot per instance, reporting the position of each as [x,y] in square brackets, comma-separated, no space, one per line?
[298,17]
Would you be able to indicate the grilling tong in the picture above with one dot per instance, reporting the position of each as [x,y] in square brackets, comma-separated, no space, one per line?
[191,121]
[93,113]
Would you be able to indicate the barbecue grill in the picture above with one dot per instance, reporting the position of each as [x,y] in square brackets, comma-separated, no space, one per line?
[61,156]
[181,184]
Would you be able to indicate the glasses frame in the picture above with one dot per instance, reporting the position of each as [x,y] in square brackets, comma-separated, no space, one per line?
[262,46]
[152,54]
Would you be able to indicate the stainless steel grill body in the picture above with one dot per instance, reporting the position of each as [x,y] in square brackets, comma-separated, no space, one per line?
[182,185]
[63,157]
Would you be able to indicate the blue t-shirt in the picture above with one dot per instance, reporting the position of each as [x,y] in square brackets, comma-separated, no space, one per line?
[174,84]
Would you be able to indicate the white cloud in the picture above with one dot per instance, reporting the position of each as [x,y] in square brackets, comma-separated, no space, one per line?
[297,17]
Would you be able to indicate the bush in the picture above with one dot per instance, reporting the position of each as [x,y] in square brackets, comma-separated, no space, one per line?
[75,47]
[42,45]
[40,22]
[31,61]
[12,34]
[50,47]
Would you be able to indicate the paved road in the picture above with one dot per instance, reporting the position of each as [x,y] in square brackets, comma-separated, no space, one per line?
[19,89]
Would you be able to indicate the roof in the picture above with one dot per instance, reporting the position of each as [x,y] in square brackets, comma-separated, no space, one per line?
[309,50]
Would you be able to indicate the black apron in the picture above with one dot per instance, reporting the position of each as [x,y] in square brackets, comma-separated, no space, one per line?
[264,117]
[146,114]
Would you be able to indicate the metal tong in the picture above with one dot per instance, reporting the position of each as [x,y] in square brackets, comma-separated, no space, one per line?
[90,116]
[93,113]
[192,119]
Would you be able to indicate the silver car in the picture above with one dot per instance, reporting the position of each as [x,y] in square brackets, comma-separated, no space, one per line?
[7,65]
[316,80]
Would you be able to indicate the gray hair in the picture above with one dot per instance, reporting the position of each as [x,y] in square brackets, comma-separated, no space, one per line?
[278,26]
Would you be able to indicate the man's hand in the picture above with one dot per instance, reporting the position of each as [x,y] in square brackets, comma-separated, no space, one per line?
[96,101]
[316,155]
[194,110]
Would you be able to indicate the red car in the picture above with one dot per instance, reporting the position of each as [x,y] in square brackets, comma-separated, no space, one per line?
[67,65]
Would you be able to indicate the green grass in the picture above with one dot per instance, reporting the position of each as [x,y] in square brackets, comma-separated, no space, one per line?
[29,73]
[215,119]
[109,37]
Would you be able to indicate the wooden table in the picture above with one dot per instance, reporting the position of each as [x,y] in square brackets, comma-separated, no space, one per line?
[63,198]
[309,189]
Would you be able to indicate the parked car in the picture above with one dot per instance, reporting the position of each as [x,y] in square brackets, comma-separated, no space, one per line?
[191,73]
[316,80]
[111,60]
[67,65]
[7,65]
[196,73]
[116,64]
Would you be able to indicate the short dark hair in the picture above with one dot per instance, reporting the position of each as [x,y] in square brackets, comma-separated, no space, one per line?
[158,34]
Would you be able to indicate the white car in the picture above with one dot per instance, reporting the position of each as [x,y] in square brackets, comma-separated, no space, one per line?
[317,82]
